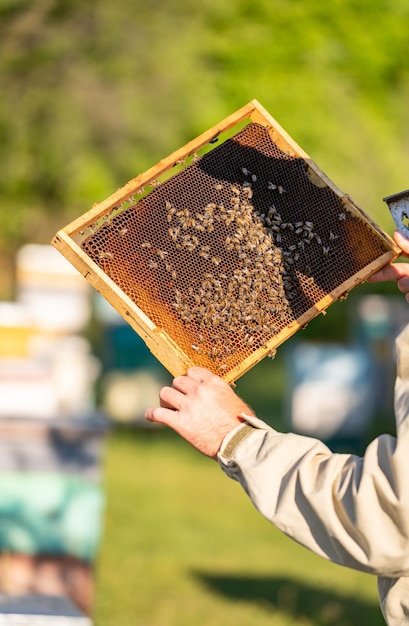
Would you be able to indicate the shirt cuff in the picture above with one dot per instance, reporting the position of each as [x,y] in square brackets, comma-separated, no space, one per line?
[235,437]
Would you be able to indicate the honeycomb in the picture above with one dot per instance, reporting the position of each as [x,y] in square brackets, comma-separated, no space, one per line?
[233,249]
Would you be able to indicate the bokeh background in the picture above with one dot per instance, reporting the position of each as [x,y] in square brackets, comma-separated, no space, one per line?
[94,93]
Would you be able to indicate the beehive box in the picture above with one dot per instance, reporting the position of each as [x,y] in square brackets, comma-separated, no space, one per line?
[226,248]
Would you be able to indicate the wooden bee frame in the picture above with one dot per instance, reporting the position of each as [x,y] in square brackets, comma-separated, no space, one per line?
[234,242]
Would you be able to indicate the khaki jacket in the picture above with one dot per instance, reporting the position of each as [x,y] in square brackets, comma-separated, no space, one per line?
[351,510]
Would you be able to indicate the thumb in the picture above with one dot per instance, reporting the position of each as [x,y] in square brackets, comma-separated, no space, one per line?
[402,242]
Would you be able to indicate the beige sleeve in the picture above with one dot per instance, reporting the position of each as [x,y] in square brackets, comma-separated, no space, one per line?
[349,509]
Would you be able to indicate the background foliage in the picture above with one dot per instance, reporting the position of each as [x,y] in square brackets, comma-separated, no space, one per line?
[94,93]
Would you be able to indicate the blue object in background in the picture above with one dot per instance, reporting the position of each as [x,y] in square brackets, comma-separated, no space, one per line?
[51,496]
[121,348]
[42,513]
[331,391]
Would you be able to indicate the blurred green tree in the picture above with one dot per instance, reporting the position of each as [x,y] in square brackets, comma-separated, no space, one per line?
[94,93]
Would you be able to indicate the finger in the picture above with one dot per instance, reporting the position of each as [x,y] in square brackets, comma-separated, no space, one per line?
[162,401]
[200,374]
[184,384]
[403,284]
[171,398]
[390,272]
[160,415]
[402,242]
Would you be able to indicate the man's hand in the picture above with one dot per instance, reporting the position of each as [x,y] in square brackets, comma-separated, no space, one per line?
[201,407]
[396,271]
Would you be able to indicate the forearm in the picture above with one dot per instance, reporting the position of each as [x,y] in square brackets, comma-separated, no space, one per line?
[348,509]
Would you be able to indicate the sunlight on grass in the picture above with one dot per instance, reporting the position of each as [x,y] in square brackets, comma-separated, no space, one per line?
[183,545]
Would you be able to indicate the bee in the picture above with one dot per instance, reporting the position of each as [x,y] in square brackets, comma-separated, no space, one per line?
[162,254]
[122,231]
[235,190]
[253,178]
[281,189]
[105,255]
[245,171]
[195,347]
[271,185]
[342,217]
[332,237]
[152,264]
[146,245]
[168,205]
[325,250]
[213,354]
[173,233]
[218,187]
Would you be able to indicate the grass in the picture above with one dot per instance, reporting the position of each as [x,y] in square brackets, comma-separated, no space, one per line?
[184,546]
